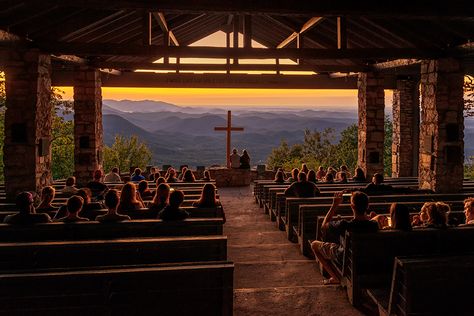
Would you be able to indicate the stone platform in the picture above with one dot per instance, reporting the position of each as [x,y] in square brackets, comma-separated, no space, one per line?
[237,177]
[271,276]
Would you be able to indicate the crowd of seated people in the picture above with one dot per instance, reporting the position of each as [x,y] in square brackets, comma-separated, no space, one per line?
[115,205]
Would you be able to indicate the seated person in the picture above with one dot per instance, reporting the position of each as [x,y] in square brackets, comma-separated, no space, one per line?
[137,175]
[332,231]
[359,175]
[294,175]
[377,186]
[160,200]
[207,176]
[234,159]
[144,190]
[183,171]
[26,212]
[244,160]
[89,209]
[130,199]
[279,177]
[113,176]
[432,215]
[208,199]
[342,170]
[47,197]
[469,211]
[171,176]
[97,187]
[188,176]
[304,168]
[160,180]
[329,178]
[111,201]
[399,218]
[321,173]
[70,187]
[173,211]
[155,175]
[302,188]
[74,206]
[332,171]
[312,176]
[342,178]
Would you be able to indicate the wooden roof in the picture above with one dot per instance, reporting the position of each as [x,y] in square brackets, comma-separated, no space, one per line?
[332,36]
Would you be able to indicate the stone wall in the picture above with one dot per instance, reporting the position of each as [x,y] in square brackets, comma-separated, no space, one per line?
[88,135]
[442,126]
[406,124]
[28,120]
[371,99]
[230,177]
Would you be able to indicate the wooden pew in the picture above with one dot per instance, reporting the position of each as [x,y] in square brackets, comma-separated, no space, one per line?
[295,215]
[307,227]
[95,230]
[170,289]
[415,291]
[369,258]
[114,252]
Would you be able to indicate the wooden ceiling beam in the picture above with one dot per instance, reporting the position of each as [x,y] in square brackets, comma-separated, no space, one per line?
[108,49]
[395,64]
[160,18]
[400,9]
[306,27]
[188,80]
[224,67]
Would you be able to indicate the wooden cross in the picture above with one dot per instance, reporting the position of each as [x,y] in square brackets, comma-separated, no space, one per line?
[228,129]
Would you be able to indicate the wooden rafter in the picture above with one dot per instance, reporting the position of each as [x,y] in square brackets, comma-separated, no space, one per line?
[160,18]
[108,49]
[395,64]
[306,27]
[224,67]
[403,9]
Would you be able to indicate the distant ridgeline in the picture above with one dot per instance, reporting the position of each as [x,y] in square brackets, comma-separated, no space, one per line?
[183,135]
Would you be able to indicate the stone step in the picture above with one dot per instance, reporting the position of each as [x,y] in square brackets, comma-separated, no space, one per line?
[263,274]
[263,252]
[295,301]
[256,238]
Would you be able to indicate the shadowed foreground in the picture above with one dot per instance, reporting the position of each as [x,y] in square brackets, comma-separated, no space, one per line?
[271,276]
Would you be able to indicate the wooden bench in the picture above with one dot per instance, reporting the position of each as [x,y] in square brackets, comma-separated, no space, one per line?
[428,285]
[113,252]
[313,207]
[94,230]
[170,289]
[369,258]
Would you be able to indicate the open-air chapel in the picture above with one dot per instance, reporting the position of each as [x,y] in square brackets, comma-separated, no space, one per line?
[263,246]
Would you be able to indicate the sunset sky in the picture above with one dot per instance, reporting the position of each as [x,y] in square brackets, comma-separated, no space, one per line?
[236,97]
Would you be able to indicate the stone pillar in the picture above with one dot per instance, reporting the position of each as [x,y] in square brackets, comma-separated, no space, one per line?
[88,134]
[441,165]
[371,122]
[28,120]
[406,125]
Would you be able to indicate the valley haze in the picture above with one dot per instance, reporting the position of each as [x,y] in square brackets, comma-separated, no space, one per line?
[180,135]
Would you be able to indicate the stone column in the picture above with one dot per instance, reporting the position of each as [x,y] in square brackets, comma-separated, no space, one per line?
[371,122]
[28,120]
[88,134]
[441,164]
[406,125]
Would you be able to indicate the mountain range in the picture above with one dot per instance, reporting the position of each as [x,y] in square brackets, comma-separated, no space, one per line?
[185,135]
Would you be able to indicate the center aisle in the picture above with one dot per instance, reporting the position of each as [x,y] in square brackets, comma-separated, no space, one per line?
[271,276]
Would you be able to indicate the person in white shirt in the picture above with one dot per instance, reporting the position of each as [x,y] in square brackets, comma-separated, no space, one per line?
[113,176]
[234,159]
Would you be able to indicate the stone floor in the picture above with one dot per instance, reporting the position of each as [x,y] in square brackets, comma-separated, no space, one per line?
[271,276]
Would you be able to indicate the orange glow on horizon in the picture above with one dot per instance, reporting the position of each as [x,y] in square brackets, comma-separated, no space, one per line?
[236,97]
